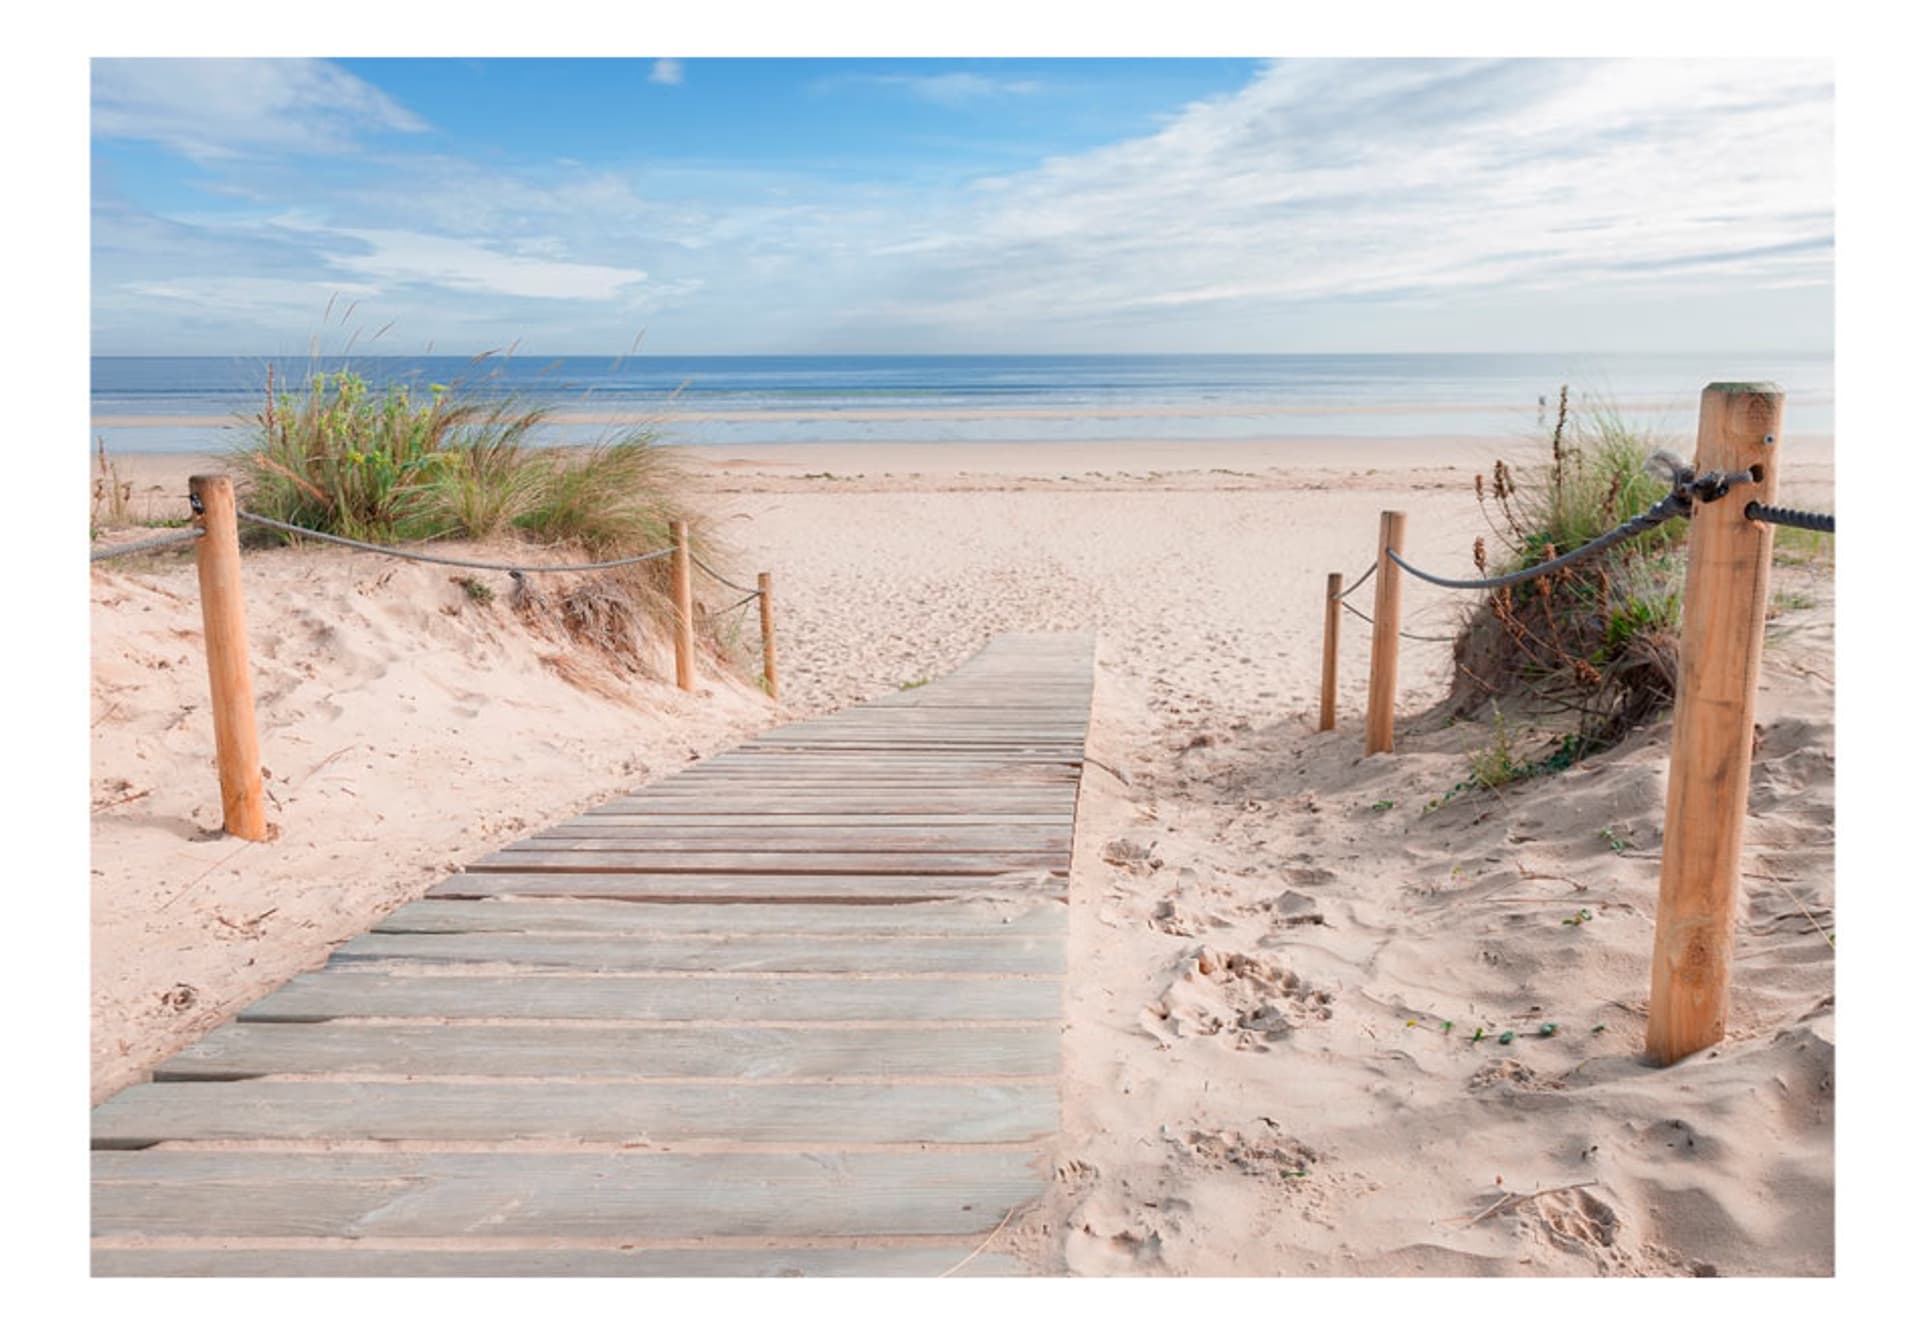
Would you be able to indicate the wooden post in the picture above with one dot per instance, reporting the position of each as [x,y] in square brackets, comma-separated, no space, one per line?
[1386,635]
[769,659]
[682,606]
[1723,622]
[236,740]
[1330,654]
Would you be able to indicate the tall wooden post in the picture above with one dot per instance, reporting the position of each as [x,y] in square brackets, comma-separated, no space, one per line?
[1385,667]
[1330,654]
[770,661]
[1724,619]
[236,740]
[682,606]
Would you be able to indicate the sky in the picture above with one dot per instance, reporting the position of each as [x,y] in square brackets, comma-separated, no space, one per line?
[708,206]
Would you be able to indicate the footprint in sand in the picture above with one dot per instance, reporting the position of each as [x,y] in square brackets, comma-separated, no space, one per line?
[1271,1154]
[1244,998]
[1577,1221]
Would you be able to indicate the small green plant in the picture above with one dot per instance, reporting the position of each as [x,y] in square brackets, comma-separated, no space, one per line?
[1380,806]
[1613,840]
[1580,918]
[1802,546]
[475,589]
[1498,764]
[916,683]
[1784,601]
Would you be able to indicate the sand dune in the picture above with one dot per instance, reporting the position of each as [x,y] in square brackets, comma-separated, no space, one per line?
[1280,952]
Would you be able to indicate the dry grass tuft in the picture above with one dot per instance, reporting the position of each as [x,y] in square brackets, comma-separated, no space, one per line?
[1598,642]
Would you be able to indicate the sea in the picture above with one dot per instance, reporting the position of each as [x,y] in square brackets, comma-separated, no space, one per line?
[202,404]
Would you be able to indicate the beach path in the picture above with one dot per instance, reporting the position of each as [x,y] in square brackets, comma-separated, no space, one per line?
[795,1010]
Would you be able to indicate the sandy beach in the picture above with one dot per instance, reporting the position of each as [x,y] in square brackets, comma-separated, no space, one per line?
[1229,861]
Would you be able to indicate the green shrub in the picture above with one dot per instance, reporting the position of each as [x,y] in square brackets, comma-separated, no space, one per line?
[615,498]
[1598,640]
[339,458]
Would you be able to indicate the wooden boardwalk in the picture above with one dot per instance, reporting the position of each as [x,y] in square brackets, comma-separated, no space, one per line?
[792,1011]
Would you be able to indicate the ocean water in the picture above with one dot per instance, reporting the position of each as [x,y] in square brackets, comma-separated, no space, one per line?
[188,404]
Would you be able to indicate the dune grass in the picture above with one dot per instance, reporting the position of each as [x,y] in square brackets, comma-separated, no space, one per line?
[339,457]
[1598,641]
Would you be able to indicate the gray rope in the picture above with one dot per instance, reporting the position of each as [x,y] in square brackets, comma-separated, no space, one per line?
[1671,507]
[738,588]
[146,544]
[1788,518]
[735,606]
[1424,639]
[1689,489]
[357,545]
[1354,587]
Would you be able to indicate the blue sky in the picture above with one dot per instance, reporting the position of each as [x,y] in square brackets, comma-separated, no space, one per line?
[957,206]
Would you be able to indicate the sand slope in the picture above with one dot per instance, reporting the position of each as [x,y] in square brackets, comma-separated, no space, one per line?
[1260,1079]
[405,728]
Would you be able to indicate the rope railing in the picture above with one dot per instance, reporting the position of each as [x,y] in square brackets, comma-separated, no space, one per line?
[145,544]
[1688,490]
[236,735]
[1789,518]
[460,562]
[1722,635]
[721,578]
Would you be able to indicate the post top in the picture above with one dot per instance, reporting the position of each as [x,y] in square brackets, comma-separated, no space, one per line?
[1730,388]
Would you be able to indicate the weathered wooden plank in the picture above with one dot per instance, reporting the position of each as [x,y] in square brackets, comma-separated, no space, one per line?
[1004,915]
[852,863]
[1037,955]
[834,802]
[982,839]
[606,1196]
[1037,787]
[979,1112]
[328,995]
[978,805]
[711,887]
[598,819]
[249,1051]
[255,1260]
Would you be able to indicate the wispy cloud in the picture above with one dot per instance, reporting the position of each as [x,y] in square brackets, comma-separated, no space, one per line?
[1329,180]
[1324,204]
[666,71]
[212,109]
[397,256]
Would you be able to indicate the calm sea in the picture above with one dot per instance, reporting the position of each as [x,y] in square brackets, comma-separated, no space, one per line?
[751,400]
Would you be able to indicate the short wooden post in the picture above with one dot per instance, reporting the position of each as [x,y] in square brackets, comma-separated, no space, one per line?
[1330,654]
[682,606]
[770,662]
[236,739]
[1723,623]
[1386,634]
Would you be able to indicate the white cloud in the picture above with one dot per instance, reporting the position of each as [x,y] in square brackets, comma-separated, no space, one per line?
[210,109]
[667,71]
[1326,204]
[468,266]
[1327,181]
